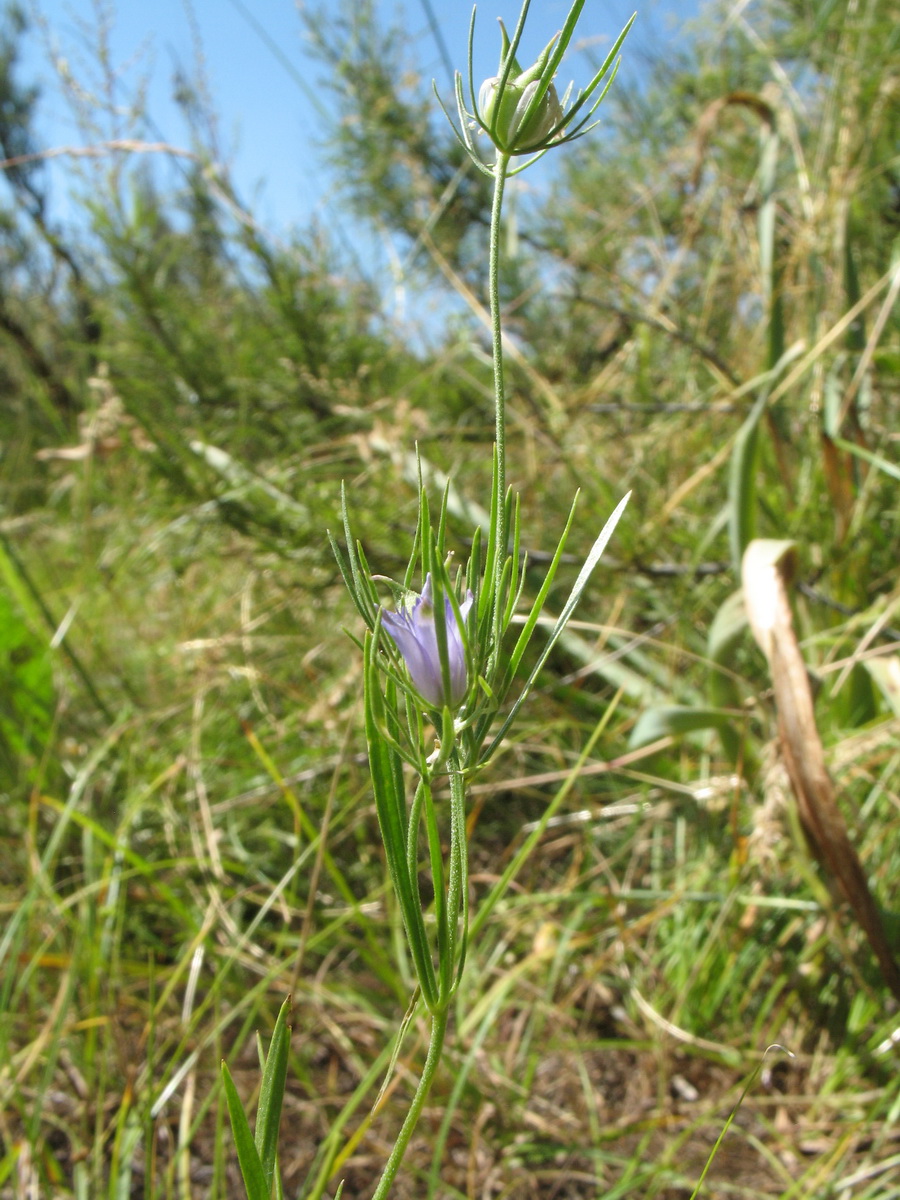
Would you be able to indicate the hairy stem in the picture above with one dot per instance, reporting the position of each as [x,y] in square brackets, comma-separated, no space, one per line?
[438,1030]
[500,169]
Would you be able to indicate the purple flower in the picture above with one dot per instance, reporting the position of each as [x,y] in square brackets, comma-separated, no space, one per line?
[415,637]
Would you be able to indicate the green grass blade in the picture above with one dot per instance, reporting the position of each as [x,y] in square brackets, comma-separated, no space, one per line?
[875,460]
[248,1156]
[741,484]
[672,720]
[522,854]
[742,471]
[271,1095]
[734,1112]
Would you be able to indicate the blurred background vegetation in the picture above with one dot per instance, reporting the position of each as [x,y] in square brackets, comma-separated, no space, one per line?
[701,307]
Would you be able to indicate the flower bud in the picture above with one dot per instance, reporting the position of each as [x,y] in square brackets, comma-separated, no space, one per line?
[505,106]
[505,113]
[520,111]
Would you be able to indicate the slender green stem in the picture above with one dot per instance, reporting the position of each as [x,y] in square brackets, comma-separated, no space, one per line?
[457,888]
[438,1030]
[500,169]
[458,876]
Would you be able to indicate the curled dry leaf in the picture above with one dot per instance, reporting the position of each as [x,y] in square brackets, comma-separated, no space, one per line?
[766,570]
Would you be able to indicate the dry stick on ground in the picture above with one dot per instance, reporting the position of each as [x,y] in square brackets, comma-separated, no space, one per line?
[765,571]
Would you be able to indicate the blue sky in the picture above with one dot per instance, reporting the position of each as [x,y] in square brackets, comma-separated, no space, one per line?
[263,83]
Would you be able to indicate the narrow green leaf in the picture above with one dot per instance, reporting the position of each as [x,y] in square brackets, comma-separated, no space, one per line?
[727,627]
[621,664]
[675,719]
[876,460]
[248,1157]
[524,851]
[9,1161]
[439,586]
[742,484]
[390,805]
[563,619]
[515,584]
[856,331]
[742,471]
[361,588]
[528,629]
[725,635]
[473,567]
[458,877]
[412,830]
[28,598]
[26,698]
[767,228]
[271,1095]
[486,597]
[445,963]
[747,1086]
[584,96]
[347,577]
[395,1052]
[442,521]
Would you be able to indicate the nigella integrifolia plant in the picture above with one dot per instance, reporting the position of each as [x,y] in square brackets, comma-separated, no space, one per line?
[439,663]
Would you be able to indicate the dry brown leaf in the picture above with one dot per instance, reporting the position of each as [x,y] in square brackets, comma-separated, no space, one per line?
[765,571]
